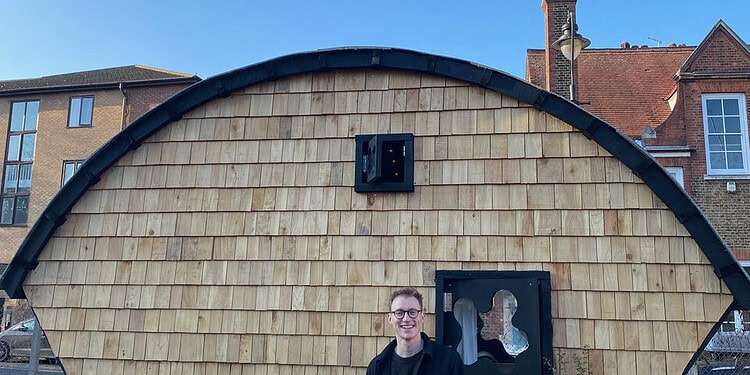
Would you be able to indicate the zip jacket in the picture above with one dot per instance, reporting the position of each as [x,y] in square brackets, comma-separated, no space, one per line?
[436,360]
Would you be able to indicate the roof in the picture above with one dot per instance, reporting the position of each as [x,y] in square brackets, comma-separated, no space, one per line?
[130,74]
[626,87]
[721,53]
[618,145]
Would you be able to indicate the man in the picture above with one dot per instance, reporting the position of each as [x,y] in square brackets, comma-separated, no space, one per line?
[412,352]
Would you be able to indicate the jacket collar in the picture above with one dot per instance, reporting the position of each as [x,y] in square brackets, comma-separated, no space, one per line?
[428,349]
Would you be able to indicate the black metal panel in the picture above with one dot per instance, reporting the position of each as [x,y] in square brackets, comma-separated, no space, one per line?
[531,290]
[378,58]
[367,182]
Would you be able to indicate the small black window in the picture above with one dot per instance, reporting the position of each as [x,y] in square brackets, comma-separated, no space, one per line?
[385,162]
[19,157]
[81,111]
[70,167]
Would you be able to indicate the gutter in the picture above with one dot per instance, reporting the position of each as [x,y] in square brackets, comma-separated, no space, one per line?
[99,86]
[716,75]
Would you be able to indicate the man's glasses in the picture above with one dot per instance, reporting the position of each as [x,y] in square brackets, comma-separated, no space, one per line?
[399,314]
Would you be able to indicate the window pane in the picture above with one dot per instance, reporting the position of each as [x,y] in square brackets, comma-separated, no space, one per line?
[32,114]
[715,125]
[718,161]
[75,112]
[713,107]
[16,118]
[734,160]
[27,151]
[14,147]
[731,107]
[11,179]
[716,143]
[734,143]
[732,124]
[22,210]
[87,108]
[6,217]
[68,171]
[24,178]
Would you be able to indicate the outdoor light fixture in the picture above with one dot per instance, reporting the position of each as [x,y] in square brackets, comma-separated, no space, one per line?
[571,44]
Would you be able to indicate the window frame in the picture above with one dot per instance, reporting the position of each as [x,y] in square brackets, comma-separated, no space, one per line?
[76,166]
[80,112]
[16,195]
[743,134]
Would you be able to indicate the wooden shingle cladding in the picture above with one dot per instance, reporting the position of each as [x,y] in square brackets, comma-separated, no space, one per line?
[682,273]
[234,236]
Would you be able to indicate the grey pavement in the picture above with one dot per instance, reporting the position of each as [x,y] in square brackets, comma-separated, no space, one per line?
[10,368]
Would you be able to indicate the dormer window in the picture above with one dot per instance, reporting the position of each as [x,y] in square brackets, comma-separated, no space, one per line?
[725,126]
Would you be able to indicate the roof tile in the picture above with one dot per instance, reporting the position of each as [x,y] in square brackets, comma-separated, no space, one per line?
[130,73]
[626,87]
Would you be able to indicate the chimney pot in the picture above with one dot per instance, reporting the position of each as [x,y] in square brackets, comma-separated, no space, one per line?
[625,45]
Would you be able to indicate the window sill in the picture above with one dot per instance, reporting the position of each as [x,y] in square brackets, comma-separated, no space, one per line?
[79,127]
[719,177]
[14,225]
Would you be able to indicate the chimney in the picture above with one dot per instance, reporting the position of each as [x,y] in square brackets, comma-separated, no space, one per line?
[557,66]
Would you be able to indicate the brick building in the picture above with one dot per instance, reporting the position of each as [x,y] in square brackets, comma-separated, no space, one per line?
[670,100]
[56,122]
[53,123]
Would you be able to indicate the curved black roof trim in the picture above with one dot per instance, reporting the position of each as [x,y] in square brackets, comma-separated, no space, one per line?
[620,146]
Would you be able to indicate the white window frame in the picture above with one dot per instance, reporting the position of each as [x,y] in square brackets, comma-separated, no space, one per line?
[743,133]
[735,318]
[677,174]
[76,165]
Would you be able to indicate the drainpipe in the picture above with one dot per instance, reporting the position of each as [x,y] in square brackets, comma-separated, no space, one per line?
[124,105]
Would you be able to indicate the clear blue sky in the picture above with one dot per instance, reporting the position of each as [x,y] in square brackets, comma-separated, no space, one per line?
[48,37]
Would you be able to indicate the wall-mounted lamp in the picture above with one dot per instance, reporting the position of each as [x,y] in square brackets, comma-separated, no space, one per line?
[571,44]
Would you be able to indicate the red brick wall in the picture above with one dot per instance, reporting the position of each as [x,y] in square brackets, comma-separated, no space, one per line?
[728,212]
[535,67]
[721,53]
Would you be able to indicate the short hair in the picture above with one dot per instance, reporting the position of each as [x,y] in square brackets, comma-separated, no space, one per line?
[409,292]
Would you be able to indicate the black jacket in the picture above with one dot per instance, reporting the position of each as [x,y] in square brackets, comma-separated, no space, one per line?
[436,360]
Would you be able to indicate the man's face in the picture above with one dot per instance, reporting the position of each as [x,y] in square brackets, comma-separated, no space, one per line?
[406,328]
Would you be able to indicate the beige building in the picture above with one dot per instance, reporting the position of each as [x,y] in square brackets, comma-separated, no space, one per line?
[53,123]
[255,225]
[56,122]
